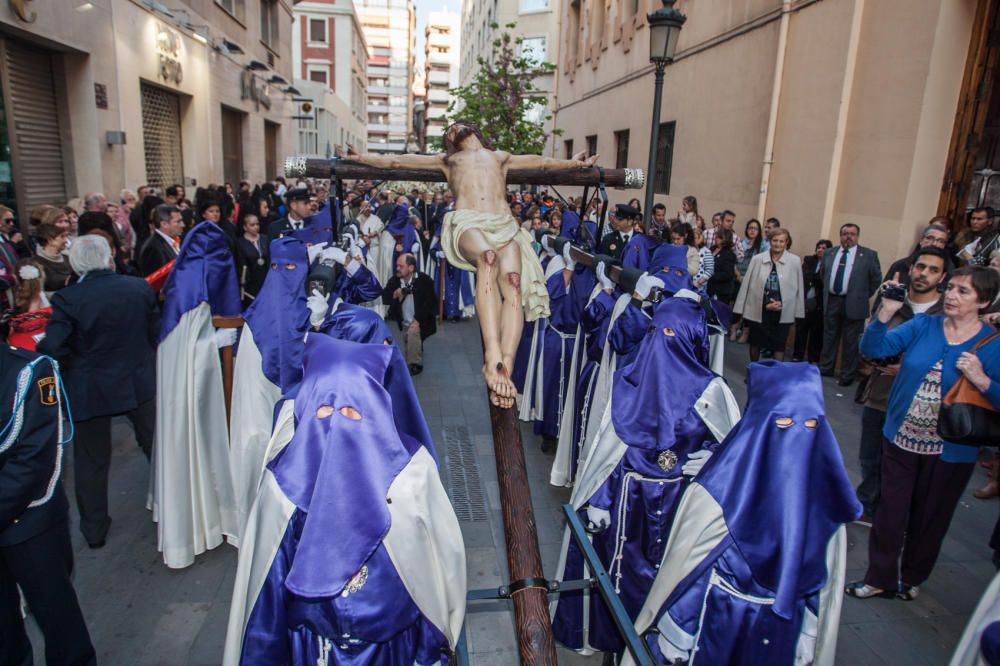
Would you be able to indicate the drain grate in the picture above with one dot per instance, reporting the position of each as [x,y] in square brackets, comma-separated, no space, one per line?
[464,487]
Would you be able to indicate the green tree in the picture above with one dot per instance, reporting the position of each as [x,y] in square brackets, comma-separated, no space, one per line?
[498,100]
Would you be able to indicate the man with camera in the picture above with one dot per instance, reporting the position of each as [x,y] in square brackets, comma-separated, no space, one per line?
[928,272]
[412,305]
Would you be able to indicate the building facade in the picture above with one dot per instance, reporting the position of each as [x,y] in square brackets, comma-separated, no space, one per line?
[818,113]
[388,27]
[330,58]
[537,24]
[441,67]
[107,94]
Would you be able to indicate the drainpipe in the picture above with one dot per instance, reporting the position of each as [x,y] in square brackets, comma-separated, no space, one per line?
[772,119]
[850,65]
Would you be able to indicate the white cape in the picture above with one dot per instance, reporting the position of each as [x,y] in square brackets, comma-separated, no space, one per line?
[968,652]
[194,502]
[254,398]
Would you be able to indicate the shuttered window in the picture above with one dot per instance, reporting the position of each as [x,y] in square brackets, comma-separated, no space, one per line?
[34,126]
[161,136]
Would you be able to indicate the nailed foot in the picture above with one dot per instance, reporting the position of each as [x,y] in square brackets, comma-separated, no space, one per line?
[501,388]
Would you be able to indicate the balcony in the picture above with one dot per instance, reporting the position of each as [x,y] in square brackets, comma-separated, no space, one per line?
[437,112]
[438,96]
[380,128]
[378,108]
[437,76]
[439,58]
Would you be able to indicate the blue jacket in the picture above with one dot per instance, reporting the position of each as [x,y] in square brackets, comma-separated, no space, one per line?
[921,341]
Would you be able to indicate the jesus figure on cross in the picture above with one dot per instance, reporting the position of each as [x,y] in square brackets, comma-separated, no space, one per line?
[482,236]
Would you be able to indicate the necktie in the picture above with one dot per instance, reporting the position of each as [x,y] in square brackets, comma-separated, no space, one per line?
[838,276]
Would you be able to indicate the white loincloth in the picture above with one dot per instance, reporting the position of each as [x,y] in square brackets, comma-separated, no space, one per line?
[499,230]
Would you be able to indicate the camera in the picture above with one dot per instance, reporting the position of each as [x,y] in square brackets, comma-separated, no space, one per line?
[894,293]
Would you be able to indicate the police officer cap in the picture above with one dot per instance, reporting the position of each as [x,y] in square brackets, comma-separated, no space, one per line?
[297,194]
[626,211]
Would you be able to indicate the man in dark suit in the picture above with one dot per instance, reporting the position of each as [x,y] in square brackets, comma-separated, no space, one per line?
[298,202]
[851,275]
[623,220]
[162,247]
[104,330]
[413,305]
[35,550]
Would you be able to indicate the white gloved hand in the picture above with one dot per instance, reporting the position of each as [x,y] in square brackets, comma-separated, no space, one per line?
[439,254]
[602,277]
[225,337]
[598,518]
[335,254]
[568,260]
[315,250]
[354,260]
[318,307]
[546,245]
[645,285]
[695,462]
[415,249]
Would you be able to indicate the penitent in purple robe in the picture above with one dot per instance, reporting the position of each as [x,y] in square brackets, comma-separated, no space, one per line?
[755,567]
[665,405]
[556,342]
[331,572]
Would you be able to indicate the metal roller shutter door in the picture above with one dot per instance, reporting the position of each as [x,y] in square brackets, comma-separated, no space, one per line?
[161,134]
[35,130]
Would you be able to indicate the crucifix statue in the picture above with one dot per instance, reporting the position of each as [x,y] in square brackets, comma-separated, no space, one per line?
[481,235]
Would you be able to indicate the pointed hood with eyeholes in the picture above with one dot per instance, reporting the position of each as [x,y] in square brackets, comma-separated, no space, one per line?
[203,272]
[279,316]
[315,229]
[339,465]
[669,263]
[779,478]
[583,234]
[654,393]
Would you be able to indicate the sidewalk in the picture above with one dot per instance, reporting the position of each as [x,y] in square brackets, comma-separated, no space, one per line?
[139,612]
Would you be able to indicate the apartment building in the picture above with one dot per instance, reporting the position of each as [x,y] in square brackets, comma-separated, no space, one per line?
[441,67]
[389,30]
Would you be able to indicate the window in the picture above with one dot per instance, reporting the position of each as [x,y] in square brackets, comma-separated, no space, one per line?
[621,149]
[317,31]
[234,8]
[534,6]
[269,22]
[534,49]
[568,147]
[592,144]
[664,158]
[319,74]
[308,136]
[535,114]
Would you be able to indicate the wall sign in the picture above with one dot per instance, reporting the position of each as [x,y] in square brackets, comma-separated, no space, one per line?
[168,46]
[255,89]
[101,95]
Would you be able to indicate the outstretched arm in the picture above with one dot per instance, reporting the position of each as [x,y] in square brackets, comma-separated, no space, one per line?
[578,161]
[399,161]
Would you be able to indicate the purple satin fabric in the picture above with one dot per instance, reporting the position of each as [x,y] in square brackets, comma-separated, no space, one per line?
[279,316]
[377,624]
[669,263]
[566,307]
[638,252]
[324,452]
[790,479]
[583,235]
[519,373]
[202,272]
[399,220]
[316,229]
[456,283]
[361,287]
[654,392]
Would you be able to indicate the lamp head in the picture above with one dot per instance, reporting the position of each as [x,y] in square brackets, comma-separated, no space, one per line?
[664,30]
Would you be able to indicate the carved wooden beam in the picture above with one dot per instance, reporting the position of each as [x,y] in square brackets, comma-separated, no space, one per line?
[303,167]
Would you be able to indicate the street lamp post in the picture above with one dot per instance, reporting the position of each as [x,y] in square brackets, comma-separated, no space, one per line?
[664,29]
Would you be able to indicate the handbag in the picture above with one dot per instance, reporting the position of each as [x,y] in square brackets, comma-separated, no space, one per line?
[966,416]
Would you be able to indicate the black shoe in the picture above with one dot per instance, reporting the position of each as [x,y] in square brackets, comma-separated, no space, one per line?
[845,381]
[826,373]
[415,369]
[549,444]
[96,545]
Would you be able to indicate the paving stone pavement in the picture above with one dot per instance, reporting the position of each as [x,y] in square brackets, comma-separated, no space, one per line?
[139,612]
